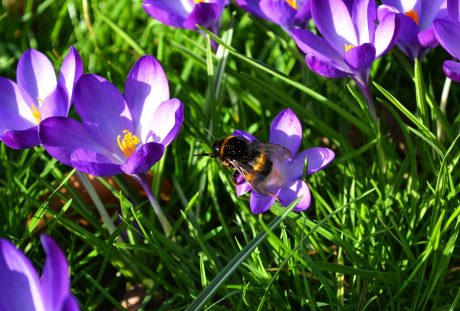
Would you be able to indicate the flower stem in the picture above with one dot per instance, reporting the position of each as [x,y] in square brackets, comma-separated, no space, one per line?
[443,104]
[363,85]
[142,180]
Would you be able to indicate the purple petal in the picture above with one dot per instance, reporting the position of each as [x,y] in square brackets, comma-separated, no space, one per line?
[204,14]
[448,35]
[171,13]
[386,34]
[427,38]
[243,187]
[70,304]
[324,68]
[279,12]
[251,6]
[10,120]
[20,286]
[360,57]
[55,277]
[245,135]
[291,192]
[101,105]
[452,70]
[94,163]
[364,16]
[303,13]
[146,88]
[260,203]
[143,158]
[333,20]
[430,9]
[12,99]
[453,8]
[165,124]
[35,76]
[318,158]
[286,130]
[62,136]
[71,71]
[21,139]
[56,104]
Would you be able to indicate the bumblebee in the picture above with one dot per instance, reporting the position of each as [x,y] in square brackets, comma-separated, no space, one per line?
[259,163]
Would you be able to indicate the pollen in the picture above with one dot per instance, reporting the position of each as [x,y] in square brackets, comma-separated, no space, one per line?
[413,15]
[35,113]
[199,1]
[128,143]
[292,3]
[348,47]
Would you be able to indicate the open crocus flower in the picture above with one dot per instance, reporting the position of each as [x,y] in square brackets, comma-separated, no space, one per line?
[448,34]
[416,18]
[20,287]
[186,13]
[118,134]
[36,96]
[286,13]
[286,183]
[351,39]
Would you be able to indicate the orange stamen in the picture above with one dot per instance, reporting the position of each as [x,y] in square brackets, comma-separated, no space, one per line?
[413,15]
[128,143]
[292,3]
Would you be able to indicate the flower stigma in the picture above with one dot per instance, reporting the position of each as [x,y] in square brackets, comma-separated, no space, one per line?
[348,47]
[413,15]
[292,3]
[128,143]
[35,112]
[199,1]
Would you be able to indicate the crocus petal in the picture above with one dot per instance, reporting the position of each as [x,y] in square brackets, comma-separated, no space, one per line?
[245,135]
[318,158]
[452,70]
[286,130]
[35,76]
[94,163]
[20,286]
[324,68]
[430,9]
[252,6]
[55,277]
[10,120]
[360,57]
[171,13]
[279,12]
[292,191]
[448,35]
[312,44]
[146,88]
[11,99]
[204,14]
[55,104]
[21,139]
[70,304]
[333,20]
[242,188]
[303,13]
[62,136]
[100,104]
[71,71]
[386,34]
[165,123]
[260,203]
[143,158]
[364,15]
[453,8]
[427,38]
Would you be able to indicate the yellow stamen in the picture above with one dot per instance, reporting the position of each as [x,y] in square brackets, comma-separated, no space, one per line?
[413,15]
[35,113]
[348,47]
[199,1]
[128,143]
[292,3]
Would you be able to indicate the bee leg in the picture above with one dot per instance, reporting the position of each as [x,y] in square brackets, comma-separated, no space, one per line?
[235,177]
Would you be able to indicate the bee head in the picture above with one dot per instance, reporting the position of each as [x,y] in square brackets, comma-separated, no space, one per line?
[216,148]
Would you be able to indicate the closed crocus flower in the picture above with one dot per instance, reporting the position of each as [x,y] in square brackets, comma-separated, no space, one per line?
[286,177]
[186,13]
[447,32]
[118,134]
[21,289]
[286,13]
[416,18]
[36,96]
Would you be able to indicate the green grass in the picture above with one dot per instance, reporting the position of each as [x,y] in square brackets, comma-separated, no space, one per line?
[381,234]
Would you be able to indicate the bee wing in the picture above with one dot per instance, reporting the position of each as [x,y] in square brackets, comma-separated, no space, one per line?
[275,152]
[250,175]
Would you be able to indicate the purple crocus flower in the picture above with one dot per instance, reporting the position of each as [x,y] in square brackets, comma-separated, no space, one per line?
[416,18]
[286,13]
[286,176]
[118,134]
[448,34]
[186,13]
[22,289]
[351,39]
[36,96]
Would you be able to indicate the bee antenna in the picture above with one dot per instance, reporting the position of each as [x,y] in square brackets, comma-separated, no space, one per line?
[208,154]
[209,132]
